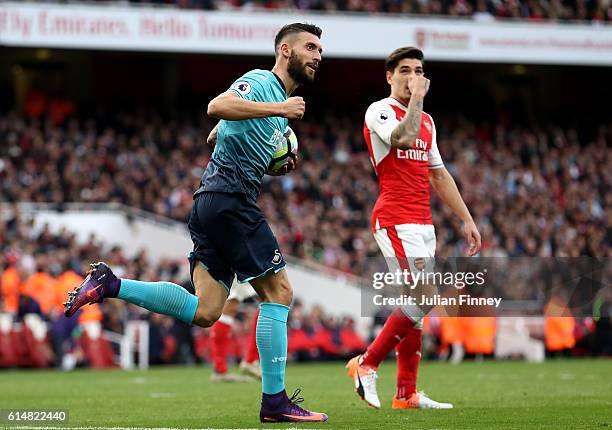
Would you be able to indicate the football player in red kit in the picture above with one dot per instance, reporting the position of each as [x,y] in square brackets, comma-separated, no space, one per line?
[401,140]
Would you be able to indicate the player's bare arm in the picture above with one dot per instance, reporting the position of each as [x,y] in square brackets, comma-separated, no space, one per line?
[211,140]
[405,134]
[444,185]
[230,106]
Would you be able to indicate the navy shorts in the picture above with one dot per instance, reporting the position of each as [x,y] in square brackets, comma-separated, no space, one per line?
[231,237]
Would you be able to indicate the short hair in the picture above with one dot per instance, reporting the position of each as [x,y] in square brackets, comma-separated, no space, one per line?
[399,54]
[296,27]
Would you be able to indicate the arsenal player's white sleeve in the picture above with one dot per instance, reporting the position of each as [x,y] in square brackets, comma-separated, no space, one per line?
[380,119]
[435,159]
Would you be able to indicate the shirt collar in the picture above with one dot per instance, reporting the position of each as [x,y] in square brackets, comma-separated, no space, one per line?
[280,81]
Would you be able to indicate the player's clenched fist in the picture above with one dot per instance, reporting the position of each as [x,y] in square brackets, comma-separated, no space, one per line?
[293,108]
[418,86]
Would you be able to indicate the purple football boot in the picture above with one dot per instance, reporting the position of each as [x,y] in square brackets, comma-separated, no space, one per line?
[277,408]
[99,284]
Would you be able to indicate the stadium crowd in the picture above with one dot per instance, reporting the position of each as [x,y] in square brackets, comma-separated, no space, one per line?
[537,191]
[38,268]
[596,11]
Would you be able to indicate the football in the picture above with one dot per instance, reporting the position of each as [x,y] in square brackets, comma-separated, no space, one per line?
[286,147]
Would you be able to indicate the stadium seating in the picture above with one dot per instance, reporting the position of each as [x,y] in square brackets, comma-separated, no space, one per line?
[334,189]
[332,192]
[478,10]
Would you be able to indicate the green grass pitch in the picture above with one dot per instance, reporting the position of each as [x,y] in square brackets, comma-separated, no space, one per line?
[558,394]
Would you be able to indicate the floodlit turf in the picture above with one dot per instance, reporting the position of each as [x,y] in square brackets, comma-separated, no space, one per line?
[557,395]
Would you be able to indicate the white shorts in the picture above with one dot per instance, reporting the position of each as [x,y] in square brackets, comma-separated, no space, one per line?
[406,241]
[401,245]
[241,292]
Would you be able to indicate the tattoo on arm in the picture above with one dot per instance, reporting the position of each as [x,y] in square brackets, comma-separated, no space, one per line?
[408,129]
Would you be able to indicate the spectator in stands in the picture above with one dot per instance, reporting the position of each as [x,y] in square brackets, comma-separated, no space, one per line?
[537,191]
[532,10]
[321,212]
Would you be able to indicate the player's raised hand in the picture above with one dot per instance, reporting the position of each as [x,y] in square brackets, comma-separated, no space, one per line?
[419,85]
[293,108]
[470,231]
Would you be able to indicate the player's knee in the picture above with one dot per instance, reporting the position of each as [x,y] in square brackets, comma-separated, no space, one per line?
[282,293]
[206,317]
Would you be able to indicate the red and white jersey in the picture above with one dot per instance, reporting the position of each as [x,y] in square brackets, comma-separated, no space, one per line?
[403,175]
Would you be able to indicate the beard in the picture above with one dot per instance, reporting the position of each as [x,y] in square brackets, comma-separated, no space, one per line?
[297,70]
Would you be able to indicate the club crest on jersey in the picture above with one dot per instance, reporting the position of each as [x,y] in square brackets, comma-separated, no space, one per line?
[243,88]
[383,116]
[277,257]
[427,125]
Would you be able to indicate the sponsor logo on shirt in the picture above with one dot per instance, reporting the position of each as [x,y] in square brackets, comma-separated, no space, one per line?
[418,153]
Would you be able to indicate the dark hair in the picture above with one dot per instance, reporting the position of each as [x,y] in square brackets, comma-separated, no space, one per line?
[296,27]
[399,54]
